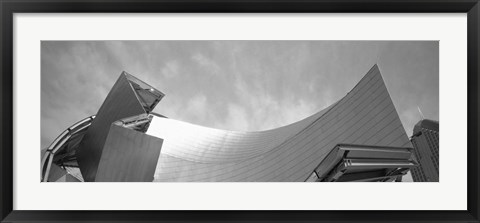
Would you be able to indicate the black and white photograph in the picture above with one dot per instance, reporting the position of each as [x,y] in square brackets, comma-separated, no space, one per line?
[239,111]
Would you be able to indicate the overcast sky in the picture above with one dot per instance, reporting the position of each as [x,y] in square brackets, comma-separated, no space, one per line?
[234,85]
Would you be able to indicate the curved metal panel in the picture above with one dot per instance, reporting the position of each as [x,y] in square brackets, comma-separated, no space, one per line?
[63,149]
[366,115]
[161,149]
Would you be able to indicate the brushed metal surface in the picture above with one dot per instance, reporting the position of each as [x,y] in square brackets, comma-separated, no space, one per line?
[120,102]
[366,115]
[172,150]
[128,156]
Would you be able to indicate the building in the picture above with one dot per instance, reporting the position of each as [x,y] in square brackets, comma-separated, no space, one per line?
[425,142]
[358,138]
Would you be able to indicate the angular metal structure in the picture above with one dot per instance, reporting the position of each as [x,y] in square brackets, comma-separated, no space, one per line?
[128,97]
[129,155]
[347,162]
[63,152]
[358,138]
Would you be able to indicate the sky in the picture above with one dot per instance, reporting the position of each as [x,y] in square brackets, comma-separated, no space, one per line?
[235,85]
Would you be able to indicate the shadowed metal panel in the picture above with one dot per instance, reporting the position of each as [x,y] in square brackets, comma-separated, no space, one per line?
[121,102]
[67,178]
[56,173]
[128,156]
[347,159]
[366,115]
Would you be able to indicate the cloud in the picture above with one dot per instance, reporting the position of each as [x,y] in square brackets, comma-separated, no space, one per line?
[410,116]
[246,85]
[170,69]
[74,81]
[264,109]
[237,118]
[196,108]
[207,63]
[299,110]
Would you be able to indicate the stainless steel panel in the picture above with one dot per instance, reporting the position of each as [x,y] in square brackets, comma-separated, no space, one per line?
[128,156]
[366,115]
[121,102]
[290,153]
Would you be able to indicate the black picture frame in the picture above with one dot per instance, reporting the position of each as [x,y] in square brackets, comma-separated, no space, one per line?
[9,7]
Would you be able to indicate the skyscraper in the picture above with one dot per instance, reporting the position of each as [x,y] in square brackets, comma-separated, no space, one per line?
[425,142]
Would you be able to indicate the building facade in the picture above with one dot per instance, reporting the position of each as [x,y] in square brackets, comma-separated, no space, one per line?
[358,138]
[425,140]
